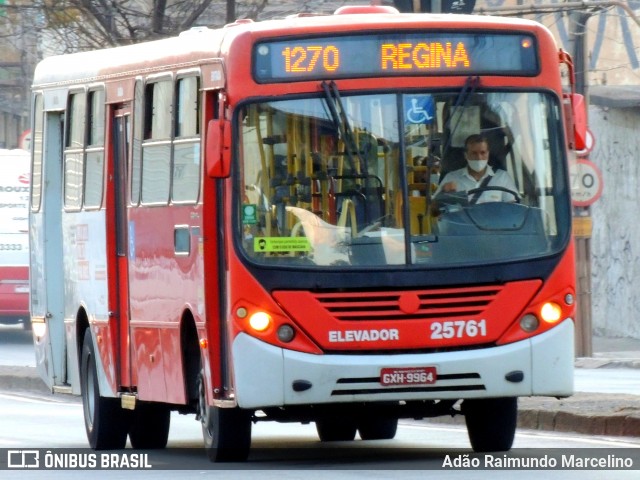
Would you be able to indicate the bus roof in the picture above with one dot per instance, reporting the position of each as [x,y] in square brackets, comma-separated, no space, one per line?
[200,44]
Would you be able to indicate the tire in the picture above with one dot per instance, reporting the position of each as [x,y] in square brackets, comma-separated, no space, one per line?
[226,431]
[380,428]
[336,429]
[150,426]
[491,423]
[105,421]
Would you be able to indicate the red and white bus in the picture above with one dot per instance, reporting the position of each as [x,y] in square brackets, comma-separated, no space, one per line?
[14,237]
[237,223]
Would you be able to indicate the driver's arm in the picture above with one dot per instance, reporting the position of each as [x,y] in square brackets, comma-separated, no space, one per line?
[447,185]
[506,181]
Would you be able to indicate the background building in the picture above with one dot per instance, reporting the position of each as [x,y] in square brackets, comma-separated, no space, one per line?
[17,59]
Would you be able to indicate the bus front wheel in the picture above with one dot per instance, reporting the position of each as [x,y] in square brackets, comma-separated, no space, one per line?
[491,423]
[105,421]
[226,431]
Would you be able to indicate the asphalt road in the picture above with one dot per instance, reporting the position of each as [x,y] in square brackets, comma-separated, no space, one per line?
[32,421]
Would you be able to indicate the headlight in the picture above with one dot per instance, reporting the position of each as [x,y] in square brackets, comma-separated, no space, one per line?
[551,312]
[260,321]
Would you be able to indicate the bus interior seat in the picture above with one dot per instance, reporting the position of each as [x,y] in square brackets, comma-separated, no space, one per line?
[452,159]
[367,200]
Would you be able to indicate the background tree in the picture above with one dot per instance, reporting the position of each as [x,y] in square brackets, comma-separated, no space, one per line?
[89,24]
[33,29]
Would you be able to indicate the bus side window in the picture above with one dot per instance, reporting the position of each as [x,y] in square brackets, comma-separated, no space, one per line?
[36,168]
[94,156]
[136,159]
[73,153]
[186,145]
[156,149]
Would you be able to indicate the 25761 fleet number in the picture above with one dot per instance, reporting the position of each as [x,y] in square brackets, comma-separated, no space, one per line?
[458,329]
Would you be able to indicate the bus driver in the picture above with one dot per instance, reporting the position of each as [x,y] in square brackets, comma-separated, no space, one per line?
[478,174]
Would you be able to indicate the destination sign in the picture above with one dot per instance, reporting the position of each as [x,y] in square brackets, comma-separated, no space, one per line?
[409,53]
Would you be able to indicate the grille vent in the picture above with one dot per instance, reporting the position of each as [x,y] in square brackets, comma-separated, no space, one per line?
[408,305]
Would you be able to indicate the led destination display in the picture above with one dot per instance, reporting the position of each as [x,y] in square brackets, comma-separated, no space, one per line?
[395,54]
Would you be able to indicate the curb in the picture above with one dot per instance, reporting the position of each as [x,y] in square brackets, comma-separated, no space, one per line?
[21,379]
[583,413]
[589,362]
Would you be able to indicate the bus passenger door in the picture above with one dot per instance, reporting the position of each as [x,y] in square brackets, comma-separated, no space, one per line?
[47,266]
[121,124]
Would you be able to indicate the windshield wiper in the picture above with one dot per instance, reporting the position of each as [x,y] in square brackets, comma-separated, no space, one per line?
[469,87]
[341,122]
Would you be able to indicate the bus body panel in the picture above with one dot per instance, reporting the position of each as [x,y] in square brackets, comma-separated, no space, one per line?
[86,293]
[265,374]
[165,280]
[14,236]
[395,325]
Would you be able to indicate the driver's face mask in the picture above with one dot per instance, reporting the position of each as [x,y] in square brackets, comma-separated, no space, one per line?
[477,165]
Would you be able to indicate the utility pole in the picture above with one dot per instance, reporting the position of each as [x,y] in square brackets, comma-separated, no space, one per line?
[584,323]
[231,11]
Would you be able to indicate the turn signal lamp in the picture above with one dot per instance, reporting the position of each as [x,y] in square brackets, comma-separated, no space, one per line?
[551,312]
[260,321]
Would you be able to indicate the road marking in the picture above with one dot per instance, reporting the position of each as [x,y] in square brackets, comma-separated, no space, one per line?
[42,401]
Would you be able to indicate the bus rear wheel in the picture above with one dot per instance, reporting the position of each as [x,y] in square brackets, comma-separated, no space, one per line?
[105,421]
[336,429]
[226,431]
[380,428]
[150,426]
[491,423]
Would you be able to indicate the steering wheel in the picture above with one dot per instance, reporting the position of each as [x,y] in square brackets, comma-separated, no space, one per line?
[515,194]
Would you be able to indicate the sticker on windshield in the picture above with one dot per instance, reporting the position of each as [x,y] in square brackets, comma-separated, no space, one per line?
[281,244]
[419,109]
[249,214]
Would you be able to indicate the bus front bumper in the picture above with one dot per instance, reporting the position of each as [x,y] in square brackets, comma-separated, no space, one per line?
[268,376]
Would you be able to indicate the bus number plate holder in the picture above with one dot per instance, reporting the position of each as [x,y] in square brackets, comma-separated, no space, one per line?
[408,376]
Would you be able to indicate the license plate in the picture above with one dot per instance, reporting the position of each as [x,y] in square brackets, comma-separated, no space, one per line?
[408,376]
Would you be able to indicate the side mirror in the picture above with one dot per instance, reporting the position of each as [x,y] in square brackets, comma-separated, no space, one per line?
[218,148]
[579,117]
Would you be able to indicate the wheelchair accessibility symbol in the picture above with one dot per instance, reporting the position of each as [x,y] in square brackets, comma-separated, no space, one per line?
[419,109]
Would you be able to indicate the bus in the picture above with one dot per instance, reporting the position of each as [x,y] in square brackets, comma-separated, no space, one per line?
[237,223]
[14,237]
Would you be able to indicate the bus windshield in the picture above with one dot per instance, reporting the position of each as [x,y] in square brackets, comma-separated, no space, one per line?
[349,180]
